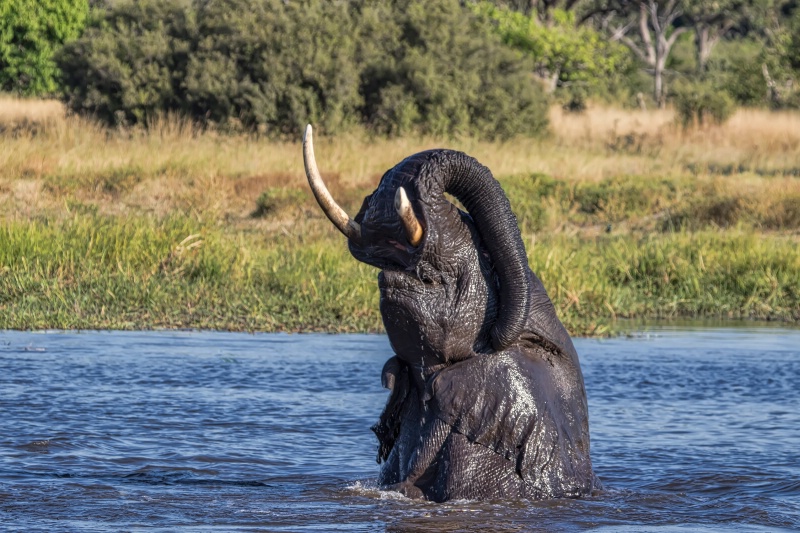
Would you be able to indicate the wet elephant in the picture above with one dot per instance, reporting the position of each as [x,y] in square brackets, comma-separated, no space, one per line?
[487,397]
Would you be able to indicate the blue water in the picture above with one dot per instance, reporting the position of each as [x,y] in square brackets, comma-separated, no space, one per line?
[692,430]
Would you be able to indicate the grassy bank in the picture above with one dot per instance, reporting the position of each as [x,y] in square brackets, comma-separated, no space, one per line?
[103,272]
[623,213]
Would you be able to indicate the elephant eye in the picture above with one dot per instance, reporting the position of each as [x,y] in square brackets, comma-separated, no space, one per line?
[426,273]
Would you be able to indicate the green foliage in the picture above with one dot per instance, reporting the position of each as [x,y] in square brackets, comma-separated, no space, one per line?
[273,65]
[762,68]
[397,66]
[435,67]
[577,61]
[30,32]
[699,103]
[793,41]
[736,68]
[130,63]
[235,64]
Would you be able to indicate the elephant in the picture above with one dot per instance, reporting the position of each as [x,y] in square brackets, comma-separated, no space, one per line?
[487,398]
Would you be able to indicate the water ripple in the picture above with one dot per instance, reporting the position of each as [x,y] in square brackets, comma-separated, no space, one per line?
[692,431]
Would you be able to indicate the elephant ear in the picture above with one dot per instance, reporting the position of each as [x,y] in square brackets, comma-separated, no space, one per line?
[475,187]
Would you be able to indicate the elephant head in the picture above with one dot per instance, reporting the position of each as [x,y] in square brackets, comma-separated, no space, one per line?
[462,309]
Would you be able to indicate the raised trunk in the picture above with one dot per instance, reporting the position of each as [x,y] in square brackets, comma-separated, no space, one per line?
[474,185]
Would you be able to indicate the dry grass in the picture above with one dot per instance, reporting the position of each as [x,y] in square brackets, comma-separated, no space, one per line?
[52,164]
[598,201]
[21,111]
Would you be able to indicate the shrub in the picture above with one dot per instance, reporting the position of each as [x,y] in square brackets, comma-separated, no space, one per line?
[241,64]
[437,68]
[129,65]
[700,103]
[30,31]
[273,65]
[397,66]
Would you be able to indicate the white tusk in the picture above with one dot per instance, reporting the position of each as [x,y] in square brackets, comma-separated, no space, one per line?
[407,217]
[336,214]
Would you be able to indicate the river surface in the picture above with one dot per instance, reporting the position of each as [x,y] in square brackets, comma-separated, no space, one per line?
[692,431]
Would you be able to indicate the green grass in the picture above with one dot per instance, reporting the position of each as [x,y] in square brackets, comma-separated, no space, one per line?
[624,214]
[735,274]
[92,272]
[103,272]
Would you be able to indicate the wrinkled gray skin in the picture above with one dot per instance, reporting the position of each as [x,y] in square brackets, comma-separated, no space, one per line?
[487,397]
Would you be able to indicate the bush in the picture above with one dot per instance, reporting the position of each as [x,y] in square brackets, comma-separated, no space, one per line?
[437,68]
[31,30]
[699,103]
[238,64]
[273,65]
[396,66]
[130,63]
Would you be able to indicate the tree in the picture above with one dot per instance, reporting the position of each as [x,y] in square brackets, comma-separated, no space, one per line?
[655,32]
[567,56]
[130,62]
[396,66]
[780,60]
[543,9]
[711,20]
[30,32]
[438,68]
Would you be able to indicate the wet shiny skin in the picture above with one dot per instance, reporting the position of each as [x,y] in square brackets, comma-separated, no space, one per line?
[462,290]
[691,431]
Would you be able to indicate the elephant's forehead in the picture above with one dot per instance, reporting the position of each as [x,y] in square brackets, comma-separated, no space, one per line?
[381,203]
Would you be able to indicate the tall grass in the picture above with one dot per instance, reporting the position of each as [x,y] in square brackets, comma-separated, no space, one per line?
[624,214]
[103,272]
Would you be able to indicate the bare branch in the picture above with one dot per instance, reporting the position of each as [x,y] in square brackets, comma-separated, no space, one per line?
[618,33]
[674,36]
[654,16]
[670,17]
[627,41]
[645,32]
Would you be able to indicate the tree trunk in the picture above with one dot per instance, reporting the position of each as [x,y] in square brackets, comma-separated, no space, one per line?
[658,83]
[702,46]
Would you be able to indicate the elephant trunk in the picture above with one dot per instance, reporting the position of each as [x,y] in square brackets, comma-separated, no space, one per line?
[475,187]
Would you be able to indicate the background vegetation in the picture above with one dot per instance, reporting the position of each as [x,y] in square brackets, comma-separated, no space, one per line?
[651,151]
[445,67]
[625,214]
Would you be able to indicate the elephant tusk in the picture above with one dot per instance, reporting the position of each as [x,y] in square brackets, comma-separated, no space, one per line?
[407,217]
[336,214]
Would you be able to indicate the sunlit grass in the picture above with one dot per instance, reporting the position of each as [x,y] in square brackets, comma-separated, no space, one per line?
[104,272]
[624,215]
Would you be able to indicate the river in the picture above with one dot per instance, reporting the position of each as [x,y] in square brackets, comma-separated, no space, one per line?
[693,430]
